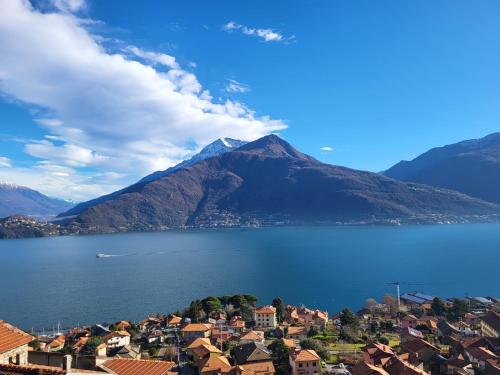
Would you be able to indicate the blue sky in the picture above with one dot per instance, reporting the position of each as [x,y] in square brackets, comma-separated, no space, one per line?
[96,94]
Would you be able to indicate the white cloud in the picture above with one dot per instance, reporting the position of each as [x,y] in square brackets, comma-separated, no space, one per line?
[234,86]
[326,149]
[268,35]
[4,162]
[69,5]
[154,57]
[107,110]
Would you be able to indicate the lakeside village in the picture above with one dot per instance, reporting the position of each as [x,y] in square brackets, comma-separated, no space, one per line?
[415,334]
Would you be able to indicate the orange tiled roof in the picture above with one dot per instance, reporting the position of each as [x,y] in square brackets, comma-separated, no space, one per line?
[122,324]
[197,327]
[122,366]
[57,342]
[174,319]
[297,330]
[219,364]
[289,343]
[363,368]
[306,355]
[253,336]
[203,350]
[198,342]
[257,368]
[266,310]
[12,337]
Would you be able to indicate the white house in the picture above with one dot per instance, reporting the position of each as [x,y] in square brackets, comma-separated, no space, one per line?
[265,317]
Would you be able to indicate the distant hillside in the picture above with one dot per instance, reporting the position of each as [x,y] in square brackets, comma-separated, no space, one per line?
[268,182]
[20,200]
[215,148]
[471,167]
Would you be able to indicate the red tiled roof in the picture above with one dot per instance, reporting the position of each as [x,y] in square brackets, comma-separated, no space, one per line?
[11,369]
[12,337]
[306,355]
[266,310]
[196,327]
[257,368]
[122,366]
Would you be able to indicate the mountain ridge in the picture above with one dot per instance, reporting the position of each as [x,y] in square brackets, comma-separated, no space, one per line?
[471,167]
[268,182]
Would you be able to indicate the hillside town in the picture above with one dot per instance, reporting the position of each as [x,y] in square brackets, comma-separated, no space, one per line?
[412,334]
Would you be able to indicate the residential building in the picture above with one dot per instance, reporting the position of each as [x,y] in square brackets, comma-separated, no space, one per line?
[252,336]
[251,352]
[255,368]
[297,333]
[377,353]
[490,324]
[265,317]
[419,350]
[115,339]
[214,366]
[193,331]
[305,362]
[122,366]
[363,368]
[479,355]
[13,344]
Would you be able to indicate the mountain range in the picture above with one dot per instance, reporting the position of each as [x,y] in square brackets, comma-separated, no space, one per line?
[471,167]
[215,148]
[268,182]
[20,200]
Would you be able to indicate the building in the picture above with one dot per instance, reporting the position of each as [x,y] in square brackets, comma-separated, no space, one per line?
[377,353]
[122,366]
[193,331]
[420,350]
[297,333]
[255,368]
[305,362]
[490,324]
[251,352]
[252,336]
[363,368]
[214,365]
[13,344]
[117,338]
[479,355]
[265,317]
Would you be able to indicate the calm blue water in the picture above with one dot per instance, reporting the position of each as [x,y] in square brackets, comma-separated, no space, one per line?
[47,280]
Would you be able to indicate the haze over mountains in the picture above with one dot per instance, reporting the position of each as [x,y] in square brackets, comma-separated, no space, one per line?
[20,200]
[471,167]
[268,182]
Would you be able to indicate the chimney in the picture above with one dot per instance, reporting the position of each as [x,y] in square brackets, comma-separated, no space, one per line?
[67,362]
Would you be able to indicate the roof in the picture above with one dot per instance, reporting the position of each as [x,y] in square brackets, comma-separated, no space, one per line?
[480,353]
[417,345]
[11,369]
[197,327]
[198,342]
[377,347]
[289,343]
[174,319]
[204,349]
[12,337]
[266,310]
[123,366]
[219,364]
[397,366]
[492,319]
[363,368]
[297,330]
[257,367]
[253,336]
[241,353]
[306,355]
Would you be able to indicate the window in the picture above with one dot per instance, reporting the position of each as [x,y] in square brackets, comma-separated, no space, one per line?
[300,364]
[314,364]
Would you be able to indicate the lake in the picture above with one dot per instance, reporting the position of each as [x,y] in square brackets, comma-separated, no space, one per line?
[49,280]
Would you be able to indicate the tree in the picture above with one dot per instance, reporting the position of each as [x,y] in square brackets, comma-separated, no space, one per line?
[313,331]
[279,355]
[383,340]
[153,351]
[315,345]
[246,311]
[370,303]
[211,305]
[280,308]
[113,327]
[195,311]
[458,309]
[437,307]
[91,345]
[347,318]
